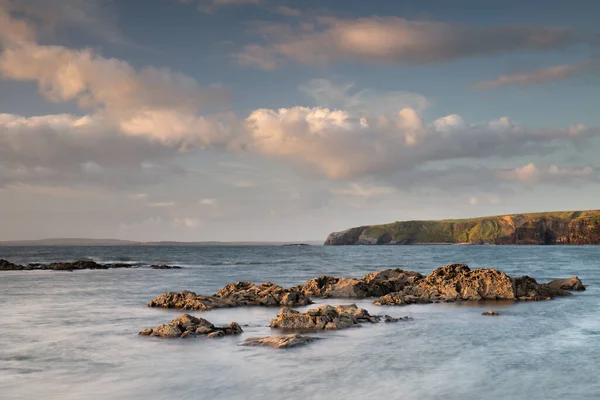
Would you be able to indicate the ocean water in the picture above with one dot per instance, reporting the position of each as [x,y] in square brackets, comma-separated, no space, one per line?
[73,335]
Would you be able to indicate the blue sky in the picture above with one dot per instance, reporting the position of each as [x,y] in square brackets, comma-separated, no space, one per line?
[285,120]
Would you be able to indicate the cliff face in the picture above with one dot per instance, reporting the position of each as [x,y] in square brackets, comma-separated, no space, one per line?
[573,227]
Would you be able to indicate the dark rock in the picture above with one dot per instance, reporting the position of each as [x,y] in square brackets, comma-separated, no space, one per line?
[388,319]
[163,266]
[374,284]
[280,342]
[573,283]
[187,326]
[491,313]
[8,266]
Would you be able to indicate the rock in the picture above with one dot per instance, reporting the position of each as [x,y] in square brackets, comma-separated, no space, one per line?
[265,294]
[457,282]
[388,319]
[324,317]
[527,289]
[281,342]
[8,266]
[491,313]
[76,265]
[233,295]
[163,266]
[60,266]
[167,331]
[186,300]
[215,334]
[188,326]
[374,284]
[573,283]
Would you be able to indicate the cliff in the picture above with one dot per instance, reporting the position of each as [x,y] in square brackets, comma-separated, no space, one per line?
[571,227]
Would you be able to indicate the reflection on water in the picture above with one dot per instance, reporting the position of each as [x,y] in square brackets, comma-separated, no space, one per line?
[74,335]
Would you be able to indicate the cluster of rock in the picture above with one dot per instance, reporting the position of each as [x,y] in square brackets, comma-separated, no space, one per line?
[327,317]
[457,282]
[450,283]
[234,295]
[71,266]
[188,326]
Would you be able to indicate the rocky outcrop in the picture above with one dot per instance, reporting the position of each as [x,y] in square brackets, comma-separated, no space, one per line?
[280,341]
[60,266]
[573,227]
[324,317]
[457,282]
[188,326]
[265,294]
[372,285]
[347,237]
[328,317]
[186,300]
[233,295]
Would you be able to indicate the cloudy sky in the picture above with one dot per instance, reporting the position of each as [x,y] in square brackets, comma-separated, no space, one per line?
[288,119]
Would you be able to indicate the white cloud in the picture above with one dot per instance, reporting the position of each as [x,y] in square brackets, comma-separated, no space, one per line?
[531,174]
[397,41]
[348,97]
[162,204]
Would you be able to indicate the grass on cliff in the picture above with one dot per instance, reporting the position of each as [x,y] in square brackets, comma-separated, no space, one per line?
[470,230]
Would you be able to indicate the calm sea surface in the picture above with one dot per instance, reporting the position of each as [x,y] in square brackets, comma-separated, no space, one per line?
[73,335]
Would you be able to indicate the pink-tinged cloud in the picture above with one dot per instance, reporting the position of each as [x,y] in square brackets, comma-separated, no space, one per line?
[397,41]
[536,77]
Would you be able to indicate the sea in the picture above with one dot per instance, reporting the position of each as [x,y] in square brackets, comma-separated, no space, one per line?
[74,335]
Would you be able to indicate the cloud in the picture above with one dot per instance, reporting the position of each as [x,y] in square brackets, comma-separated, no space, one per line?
[531,174]
[396,41]
[162,204]
[95,17]
[210,6]
[70,150]
[343,145]
[347,96]
[536,77]
[288,11]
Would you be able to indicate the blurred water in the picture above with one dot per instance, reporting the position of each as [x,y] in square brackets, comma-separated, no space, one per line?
[73,335]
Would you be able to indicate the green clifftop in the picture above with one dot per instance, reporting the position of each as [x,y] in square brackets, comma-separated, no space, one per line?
[569,227]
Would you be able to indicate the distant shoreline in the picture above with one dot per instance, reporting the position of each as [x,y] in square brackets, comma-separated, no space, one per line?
[129,243]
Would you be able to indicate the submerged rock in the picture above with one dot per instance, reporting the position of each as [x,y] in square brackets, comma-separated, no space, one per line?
[281,341]
[388,319]
[324,317]
[164,266]
[189,326]
[457,282]
[374,284]
[233,295]
[491,313]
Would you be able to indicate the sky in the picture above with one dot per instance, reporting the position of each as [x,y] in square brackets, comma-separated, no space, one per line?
[285,120]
